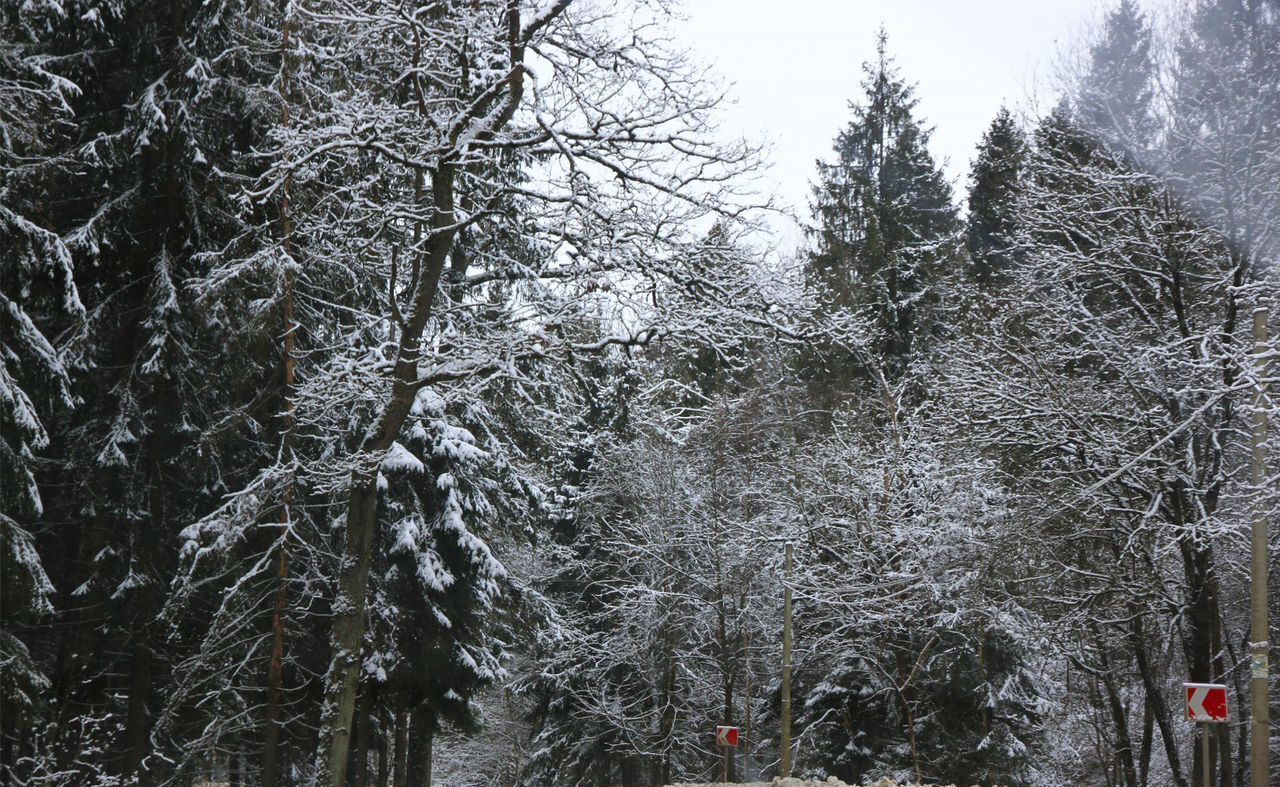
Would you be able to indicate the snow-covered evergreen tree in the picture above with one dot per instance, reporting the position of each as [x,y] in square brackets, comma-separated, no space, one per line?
[38,298]
[885,224]
[994,183]
[1115,98]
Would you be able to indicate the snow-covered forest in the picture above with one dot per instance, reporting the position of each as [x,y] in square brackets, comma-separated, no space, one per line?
[398,391]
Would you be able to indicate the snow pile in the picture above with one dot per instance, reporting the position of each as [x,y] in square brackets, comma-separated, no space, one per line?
[830,782]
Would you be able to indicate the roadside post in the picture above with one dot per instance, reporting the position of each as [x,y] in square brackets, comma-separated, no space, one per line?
[1259,638]
[727,740]
[1206,705]
[784,753]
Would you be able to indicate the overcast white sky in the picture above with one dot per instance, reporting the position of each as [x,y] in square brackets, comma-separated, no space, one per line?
[794,65]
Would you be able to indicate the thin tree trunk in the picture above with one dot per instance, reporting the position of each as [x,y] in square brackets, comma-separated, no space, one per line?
[363,736]
[401,762]
[986,682]
[1226,775]
[902,690]
[1203,647]
[275,670]
[746,703]
[137,733]
[1101,746]
[1119,717]
[667,719]
[383,745]
[628,772]
[421,740]
[362,501]
[7,749]
[731,772]
[275,677]
[1148,731]
[75,682]
[1156,699]
[728,678]
[1124,743]
[1239,684]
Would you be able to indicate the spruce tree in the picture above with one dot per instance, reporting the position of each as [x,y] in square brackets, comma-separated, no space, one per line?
[129,197]
[38,300]
[994,182]
[1114,100]
[884,222]
[1224,132]
[441,631]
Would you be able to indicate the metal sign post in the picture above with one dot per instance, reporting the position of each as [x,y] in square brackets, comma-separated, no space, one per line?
[1207,705]
[727,740]
[1206,772]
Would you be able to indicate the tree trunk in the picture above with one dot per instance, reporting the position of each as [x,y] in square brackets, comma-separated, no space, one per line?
[401,762]
[275,678]
[349,626]
[986,681]
[382,744]
[1148,732]
[363,736]
[667,722]
[1156,701]
[1124,743]
[1226,774]
[8,734]
[137,732]
[1239,683]
[362,501]
[746,703]
[629,771]
[275,670]
[75,681]
[421,737]
[1119,718]
[1203,647]
[1102,746]
[730,772]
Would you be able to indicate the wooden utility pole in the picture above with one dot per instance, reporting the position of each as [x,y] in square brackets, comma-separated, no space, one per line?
[746,706]
[1259,633]
[784,766]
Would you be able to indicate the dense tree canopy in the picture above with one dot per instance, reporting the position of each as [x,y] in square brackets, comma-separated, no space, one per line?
[398,392]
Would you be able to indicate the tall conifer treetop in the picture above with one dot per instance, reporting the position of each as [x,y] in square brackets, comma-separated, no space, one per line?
[1116,93]
[883,218]
[993,189]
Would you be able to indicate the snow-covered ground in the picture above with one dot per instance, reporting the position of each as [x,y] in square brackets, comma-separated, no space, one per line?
[830,782]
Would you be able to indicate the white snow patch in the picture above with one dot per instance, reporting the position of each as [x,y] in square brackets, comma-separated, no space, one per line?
[400,458]
[830,782]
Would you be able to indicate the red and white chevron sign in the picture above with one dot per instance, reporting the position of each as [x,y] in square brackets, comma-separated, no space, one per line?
[726,736]
[1206,701]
